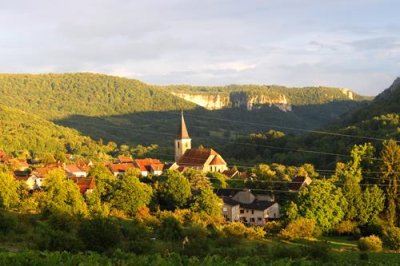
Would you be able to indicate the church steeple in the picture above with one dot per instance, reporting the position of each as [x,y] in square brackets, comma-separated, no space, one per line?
[182,132]
[182,141]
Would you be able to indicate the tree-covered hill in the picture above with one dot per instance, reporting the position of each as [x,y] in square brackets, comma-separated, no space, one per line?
[59,95]
[21,131]
[131,112]
[375,121]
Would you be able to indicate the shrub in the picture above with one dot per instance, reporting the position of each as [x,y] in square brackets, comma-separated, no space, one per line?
[8,222]
[273,228]
[346,227]
[370,243]
[100,234]
[300,228]
[372,228]
[63,221]
[170,228]
[57,240]
[319,250]
[392,237]
[239,230]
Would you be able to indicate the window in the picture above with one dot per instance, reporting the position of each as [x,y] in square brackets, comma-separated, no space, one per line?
[241,211]
[252,211]
[252,220]
[259,219]
[225,209]
[177,144]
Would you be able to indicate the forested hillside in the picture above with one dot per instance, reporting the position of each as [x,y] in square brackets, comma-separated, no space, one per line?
[131,112]
[376,121]
[20,131]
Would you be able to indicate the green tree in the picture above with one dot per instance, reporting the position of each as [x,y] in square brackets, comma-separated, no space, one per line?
[174,190]
[323,202]
[105,181]
[372,204]
[8,190]
[198,181]
[131,194]
[61,195]
[207,202]
[217,179]
[390,168]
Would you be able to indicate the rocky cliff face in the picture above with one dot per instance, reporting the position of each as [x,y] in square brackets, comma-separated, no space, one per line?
[235,99]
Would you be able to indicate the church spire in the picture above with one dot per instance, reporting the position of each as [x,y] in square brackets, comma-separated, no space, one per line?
[182,132]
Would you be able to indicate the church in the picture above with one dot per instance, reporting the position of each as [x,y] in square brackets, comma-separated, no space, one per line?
[203,159]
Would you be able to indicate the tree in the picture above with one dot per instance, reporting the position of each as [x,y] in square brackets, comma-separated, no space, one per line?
[8,190]
[372,203]
[217,179]
[105,181]
[350,174]
[61,195]
[390,168]
[207,202]
[198,181]
[174,190]
[130,195]
[323,202]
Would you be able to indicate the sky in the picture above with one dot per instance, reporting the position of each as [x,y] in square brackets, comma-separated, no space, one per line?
[352,44]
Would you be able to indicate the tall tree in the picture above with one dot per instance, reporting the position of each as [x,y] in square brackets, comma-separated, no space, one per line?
[8,190]
[390,172]
[323,202]
[131,194]
[174,190]
[61,195]
[207,202]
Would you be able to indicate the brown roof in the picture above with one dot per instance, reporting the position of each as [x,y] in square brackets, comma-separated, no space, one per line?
[85,183]
[42,171]
[123,159]
[196,156]
[218,161]
[182,131]
[73,168]
[298,182]
[149,164]
[231,173]
[120,167]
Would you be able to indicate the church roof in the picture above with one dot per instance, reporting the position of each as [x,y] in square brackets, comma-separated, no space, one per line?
[182,132]
[196,156]
[218,161]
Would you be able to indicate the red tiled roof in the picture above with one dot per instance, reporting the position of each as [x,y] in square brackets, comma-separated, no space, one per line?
[123,159]
[196,156]
[218,161]
[42,171]
[120,167]
[73,168]
[149,164]
[85,183]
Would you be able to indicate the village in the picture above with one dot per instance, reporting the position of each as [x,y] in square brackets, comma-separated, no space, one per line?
[250,207]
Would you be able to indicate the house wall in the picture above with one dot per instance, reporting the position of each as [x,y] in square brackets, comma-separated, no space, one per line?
[273,211]
[181,145]
[231,213]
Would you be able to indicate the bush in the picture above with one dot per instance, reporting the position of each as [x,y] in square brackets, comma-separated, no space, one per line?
[319,250]
[346,227]
[372,228]
[63,222]
[100,234]
[273,228]
[300,228]
[392,237]
[170,228]
[239,230]
[57,240]
[8,222]
[370,243]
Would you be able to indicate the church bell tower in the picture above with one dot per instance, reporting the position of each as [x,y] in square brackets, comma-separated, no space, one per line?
[182,142]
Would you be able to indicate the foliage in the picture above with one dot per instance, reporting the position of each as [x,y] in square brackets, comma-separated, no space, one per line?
[8,190]
[61,195]
[370,243]
[174,190]
[217,179]
[239,230]
[392,237]
[345,227]
[207,202]
[300,228]
[7,222]
[323,202]
[100,234]
[130,194]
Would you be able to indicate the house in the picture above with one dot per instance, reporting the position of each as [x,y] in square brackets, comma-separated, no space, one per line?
[298,182]
[30,180]
[250,208]
[40,173]
[148,165]
[73,170]
[124,159]
[231,173]
[119,169]
[18,164]
[86,185]
[203,159]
